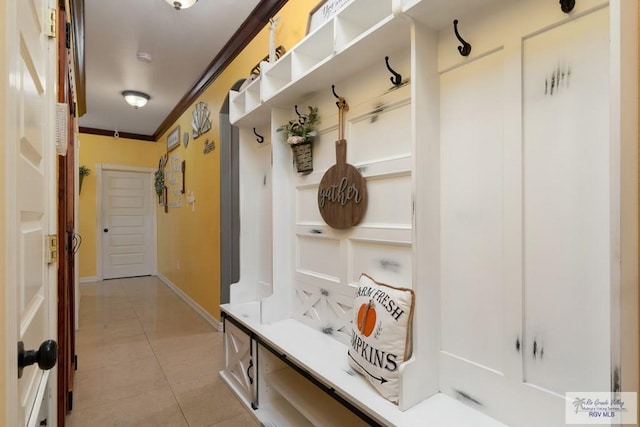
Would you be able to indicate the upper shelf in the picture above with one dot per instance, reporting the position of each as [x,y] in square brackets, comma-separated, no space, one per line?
[356,38]
[359,35]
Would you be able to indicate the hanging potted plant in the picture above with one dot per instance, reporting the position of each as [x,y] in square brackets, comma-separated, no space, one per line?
[82,172]
[300,134]
[159,184]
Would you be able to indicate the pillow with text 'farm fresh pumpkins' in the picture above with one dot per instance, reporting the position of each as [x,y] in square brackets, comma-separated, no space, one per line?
[381,338]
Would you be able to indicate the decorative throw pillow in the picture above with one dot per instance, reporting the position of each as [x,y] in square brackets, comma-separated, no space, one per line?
[381,338]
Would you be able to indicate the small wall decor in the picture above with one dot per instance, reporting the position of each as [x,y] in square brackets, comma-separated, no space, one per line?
[185,139]
[300,134]
[208,147]
[173,139]
[165,197]
[82,172]
[255,71]
[163,161]
[322,12]
[175,180]
[159,184]
[272,39]
[191,200]
[184,170]
[159,179]
[342,194]
[200,123]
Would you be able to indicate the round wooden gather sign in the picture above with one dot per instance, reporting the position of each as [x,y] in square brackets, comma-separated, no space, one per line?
[342,194]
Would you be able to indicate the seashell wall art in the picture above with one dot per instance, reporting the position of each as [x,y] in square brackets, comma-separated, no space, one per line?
[200,123]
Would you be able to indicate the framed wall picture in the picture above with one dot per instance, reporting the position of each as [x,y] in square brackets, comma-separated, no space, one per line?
[322,12]
[173,139]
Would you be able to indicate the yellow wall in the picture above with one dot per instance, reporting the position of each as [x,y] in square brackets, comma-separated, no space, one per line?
[96,149]
[188,242]
[192,240]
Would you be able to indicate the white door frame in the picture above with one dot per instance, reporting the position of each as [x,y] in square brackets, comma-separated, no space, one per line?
[100,169]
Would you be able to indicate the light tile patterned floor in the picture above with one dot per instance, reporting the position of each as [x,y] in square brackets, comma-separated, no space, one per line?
[145,358]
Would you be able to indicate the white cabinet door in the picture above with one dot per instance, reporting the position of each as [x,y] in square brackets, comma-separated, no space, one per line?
[566,244]
[525,218]
[240,370]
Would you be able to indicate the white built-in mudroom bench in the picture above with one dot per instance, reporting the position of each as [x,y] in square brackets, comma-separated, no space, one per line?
[499,186]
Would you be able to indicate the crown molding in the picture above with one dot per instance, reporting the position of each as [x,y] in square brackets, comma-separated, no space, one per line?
[254,23]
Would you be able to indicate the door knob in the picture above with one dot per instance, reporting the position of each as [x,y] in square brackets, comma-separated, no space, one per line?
[106,230]
[46,356]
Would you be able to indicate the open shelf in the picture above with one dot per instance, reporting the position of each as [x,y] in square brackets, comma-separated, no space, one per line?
[245,106]
[280,413]
[313,50]
[317,407]
[358,37]
[369,50]
[358,18]
[326,360]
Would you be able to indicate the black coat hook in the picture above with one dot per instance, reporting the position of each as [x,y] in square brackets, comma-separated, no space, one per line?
[333,89]
[397,78]
[260,138]
[567,5]
[301,118]
[339,98]
[465,49]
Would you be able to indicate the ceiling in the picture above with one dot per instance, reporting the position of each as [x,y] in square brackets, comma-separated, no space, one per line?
[187,47]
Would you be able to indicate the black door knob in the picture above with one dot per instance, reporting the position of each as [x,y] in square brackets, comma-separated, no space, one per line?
[46,356]
[106,230]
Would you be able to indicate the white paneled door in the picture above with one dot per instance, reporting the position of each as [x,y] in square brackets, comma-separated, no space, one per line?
[127,224]
[29,206]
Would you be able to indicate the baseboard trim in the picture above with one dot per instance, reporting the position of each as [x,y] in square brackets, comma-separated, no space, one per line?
[186,298]
[89,279]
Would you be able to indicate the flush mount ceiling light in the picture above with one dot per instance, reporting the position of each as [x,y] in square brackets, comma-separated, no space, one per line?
[144,57]
[181,4]
[136,99]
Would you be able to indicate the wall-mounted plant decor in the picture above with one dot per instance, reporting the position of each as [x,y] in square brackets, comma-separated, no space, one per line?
[159,185]
[300,134]
[82,172]
[159,179]
[200,123]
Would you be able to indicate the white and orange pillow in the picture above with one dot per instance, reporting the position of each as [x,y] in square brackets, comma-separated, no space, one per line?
[381,337]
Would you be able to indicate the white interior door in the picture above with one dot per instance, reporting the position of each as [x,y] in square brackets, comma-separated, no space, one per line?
[127,239]
[30,211]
